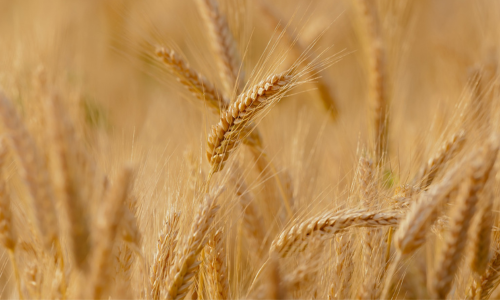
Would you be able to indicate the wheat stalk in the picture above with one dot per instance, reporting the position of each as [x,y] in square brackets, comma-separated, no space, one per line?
[480,236]
[428,172]
[481,288]
[217,270]
[328,225]
[193,81]
[163,260]
[455,242]
[33,171]
[223,44]
[67,181]
[114,210]
[185,267]
[378,89]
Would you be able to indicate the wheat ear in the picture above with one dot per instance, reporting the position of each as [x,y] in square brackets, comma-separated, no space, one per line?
[414,227]
[196,83]
[163,259]
[455,242]
[185,267]
[223,44]
[66,180]
[480,236]
[8,236]
[428,172]
[326,93]
[344,267]
[114,210]
[32,170]
[217,270]
[482,287]
[327,225]
[226,135]
[377,76]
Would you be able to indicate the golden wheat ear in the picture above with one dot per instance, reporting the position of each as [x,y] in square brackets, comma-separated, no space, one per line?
[186,265]
[164,257]
[217,266]
[455,242]
[226,135]
[193,81]
[327,225]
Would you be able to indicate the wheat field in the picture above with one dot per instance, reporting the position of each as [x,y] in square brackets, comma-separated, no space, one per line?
[249,149]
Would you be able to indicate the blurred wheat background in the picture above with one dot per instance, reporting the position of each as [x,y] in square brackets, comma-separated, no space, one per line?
[253,149]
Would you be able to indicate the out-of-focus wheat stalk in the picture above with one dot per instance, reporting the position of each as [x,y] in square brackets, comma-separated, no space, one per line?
[377,75]
[113,213]
[33,170]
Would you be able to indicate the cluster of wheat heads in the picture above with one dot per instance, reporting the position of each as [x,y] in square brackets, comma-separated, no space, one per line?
[79,224]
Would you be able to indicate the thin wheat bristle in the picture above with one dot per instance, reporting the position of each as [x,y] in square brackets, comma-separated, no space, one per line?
[223,44]
[225,136]
[113,213]
[185,268]
[327,225]
[456,239]
[323,83]
[196,83]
